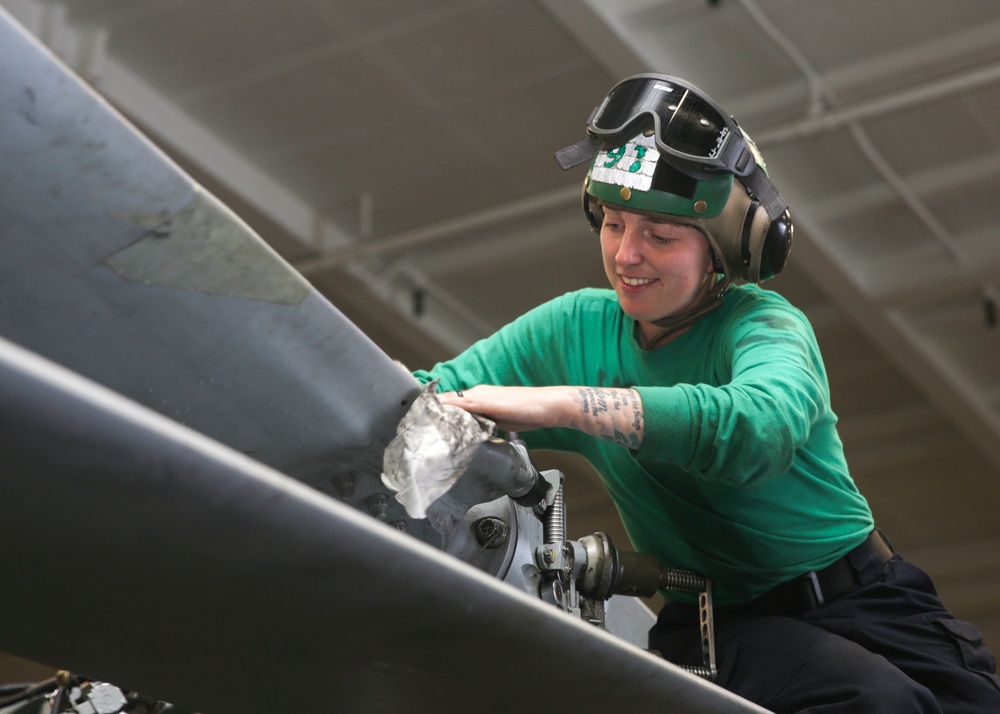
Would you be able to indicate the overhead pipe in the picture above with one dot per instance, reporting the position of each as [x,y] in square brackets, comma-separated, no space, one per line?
[850,118]
[836,118]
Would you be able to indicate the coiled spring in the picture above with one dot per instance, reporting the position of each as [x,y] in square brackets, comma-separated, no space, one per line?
[555,520]
[686,580]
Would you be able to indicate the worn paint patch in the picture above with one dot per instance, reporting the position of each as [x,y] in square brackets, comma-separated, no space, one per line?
[207,248]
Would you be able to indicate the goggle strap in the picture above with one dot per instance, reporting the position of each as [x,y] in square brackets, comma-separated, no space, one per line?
[580,153]
[764,191]
[739,158]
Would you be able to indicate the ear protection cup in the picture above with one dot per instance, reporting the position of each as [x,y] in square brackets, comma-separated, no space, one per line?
[771,240]
[753,248]
[777,246]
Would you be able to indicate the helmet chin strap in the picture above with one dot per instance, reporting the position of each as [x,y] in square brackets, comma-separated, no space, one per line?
[676,323]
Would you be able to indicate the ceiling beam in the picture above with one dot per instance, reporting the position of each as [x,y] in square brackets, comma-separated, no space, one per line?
[883,71]
[588,23]
[935,180]
[911,353]
[925,93]
[189,138]
[420,237]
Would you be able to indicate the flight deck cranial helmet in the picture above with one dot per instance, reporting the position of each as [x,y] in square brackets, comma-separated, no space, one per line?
[665,147]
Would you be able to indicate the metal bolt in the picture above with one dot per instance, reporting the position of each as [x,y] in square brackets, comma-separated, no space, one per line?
[378,505]
[568,559]
[491,532]
[345,484]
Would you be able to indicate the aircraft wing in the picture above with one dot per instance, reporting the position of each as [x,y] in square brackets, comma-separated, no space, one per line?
[119,267]
[141,552]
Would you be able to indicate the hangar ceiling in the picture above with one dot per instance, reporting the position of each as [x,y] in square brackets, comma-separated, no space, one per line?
[399,154]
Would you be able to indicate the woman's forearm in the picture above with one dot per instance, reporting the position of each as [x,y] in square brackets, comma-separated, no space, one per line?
[611,414]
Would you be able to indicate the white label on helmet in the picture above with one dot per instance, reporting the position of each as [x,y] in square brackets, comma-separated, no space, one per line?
[631,165]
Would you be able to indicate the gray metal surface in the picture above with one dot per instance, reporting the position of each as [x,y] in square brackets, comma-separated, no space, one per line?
[200,570]
[116,265]
[152,557]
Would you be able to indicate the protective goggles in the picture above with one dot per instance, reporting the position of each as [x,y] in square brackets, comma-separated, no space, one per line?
[691,131]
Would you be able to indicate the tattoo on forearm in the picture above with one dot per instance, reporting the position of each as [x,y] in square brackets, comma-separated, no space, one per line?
[614,415]
[594,400]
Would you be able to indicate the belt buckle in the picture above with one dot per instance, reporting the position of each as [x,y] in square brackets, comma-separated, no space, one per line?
[817,590]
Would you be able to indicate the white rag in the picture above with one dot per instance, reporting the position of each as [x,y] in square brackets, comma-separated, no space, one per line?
[433,447]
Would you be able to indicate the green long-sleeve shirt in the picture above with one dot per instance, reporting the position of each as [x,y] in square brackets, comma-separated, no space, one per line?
[741,474]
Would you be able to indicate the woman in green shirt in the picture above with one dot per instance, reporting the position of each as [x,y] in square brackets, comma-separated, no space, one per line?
[702,402]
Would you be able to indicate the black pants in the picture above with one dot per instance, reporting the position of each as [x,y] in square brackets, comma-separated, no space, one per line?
[887,645]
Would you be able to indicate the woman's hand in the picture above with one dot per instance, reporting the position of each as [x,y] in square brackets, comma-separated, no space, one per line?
[614,415]
[515,408]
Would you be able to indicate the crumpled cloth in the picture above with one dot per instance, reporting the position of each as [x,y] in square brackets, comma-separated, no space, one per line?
[433,447]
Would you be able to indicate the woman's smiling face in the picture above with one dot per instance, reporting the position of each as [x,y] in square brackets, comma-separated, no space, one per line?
[657,268]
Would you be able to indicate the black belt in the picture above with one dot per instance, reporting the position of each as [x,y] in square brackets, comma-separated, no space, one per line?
[815,588]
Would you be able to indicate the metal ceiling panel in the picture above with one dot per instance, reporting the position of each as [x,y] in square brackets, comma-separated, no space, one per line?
[841,34]
[195,38]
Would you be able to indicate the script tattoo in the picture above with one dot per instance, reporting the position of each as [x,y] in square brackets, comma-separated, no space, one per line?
[617,414]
